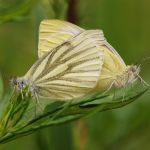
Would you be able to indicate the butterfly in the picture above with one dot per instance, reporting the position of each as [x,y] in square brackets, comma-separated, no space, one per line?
[114,71]
[66,71]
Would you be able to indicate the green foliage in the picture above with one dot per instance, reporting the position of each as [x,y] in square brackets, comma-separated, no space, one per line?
[1,87]
[59,7]
[15,12]
[19,10]
[24,116]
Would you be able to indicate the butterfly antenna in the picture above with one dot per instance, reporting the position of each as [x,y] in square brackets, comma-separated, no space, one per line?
[142,81]
[142,61]
[145,59]
[139,66]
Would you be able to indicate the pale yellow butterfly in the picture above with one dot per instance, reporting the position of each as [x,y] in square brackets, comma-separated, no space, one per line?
[114,73]
[67,71]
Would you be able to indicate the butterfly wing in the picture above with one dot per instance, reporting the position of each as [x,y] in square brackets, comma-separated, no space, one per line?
[69,70]
[110,48]
[53,33]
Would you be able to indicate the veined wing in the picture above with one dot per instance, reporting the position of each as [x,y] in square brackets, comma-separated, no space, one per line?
[71,69]
[109,47]
[55,32]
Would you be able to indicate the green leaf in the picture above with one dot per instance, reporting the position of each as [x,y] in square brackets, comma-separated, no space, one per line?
[24,116]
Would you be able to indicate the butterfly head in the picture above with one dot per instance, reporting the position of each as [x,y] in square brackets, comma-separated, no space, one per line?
[132,73]
[129,76]
[19,83]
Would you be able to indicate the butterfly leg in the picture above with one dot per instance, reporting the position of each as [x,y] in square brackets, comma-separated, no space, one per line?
[38,104]
[114,94]
[124,89]
[21,94]
[132,87]
[108,89]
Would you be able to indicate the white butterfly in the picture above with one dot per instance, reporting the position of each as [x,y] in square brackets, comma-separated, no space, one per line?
[67,71]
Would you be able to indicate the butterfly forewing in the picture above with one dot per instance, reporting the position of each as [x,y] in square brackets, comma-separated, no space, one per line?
[69,70]
[55,32]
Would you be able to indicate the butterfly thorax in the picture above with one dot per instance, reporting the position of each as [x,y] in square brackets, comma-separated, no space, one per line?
[129,76]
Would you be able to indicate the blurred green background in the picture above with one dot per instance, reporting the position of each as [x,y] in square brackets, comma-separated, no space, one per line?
[126,24]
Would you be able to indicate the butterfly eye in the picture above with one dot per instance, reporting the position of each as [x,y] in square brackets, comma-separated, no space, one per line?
[134,68]
[22,83]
